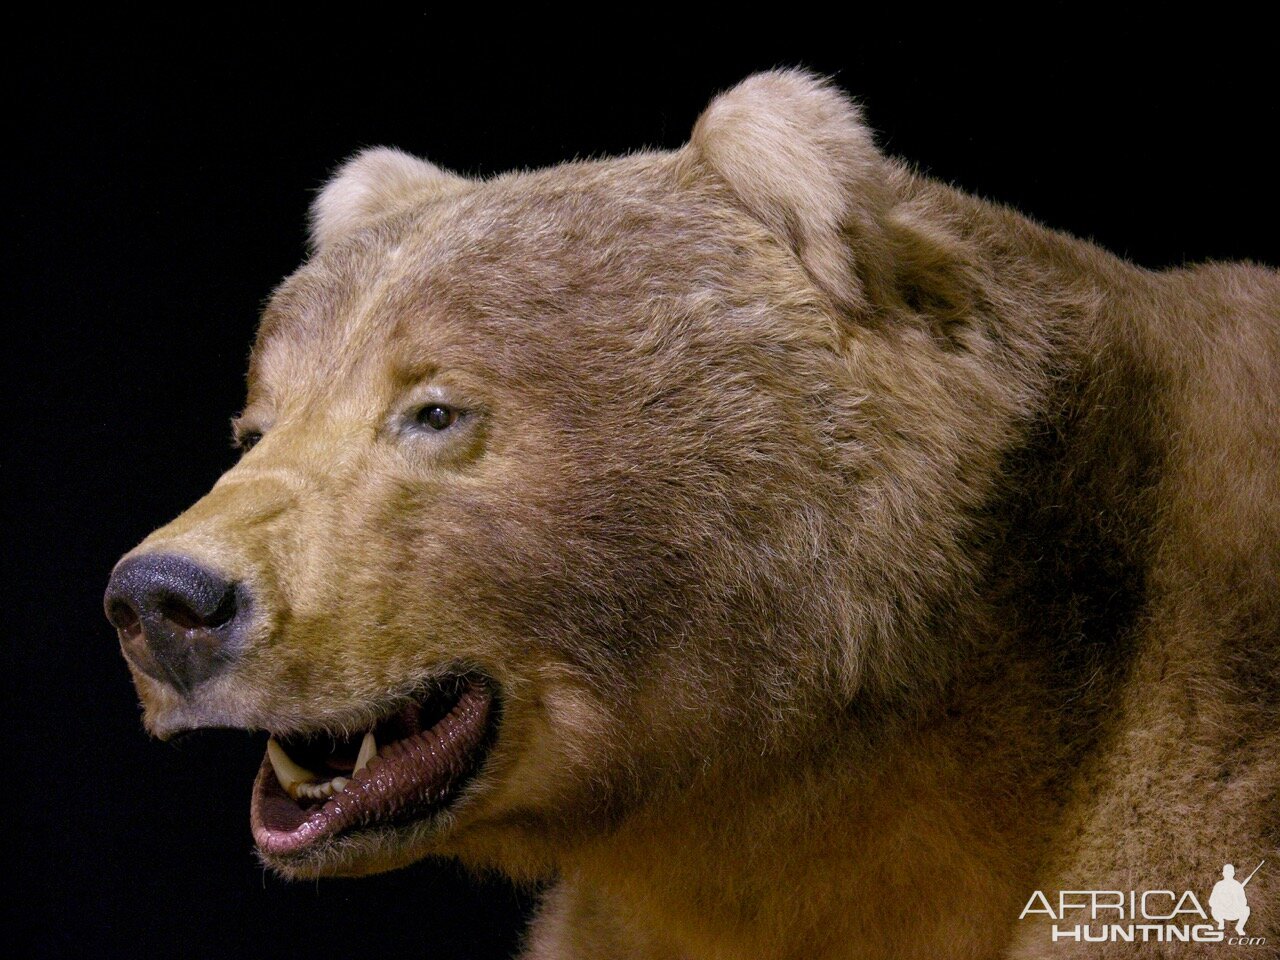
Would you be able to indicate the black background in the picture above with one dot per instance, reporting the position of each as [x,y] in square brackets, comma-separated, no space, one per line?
[160,178]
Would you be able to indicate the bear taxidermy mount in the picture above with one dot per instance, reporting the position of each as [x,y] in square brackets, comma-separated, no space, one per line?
[783,553]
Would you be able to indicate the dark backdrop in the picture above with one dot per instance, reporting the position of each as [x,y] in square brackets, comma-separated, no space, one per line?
[162,174]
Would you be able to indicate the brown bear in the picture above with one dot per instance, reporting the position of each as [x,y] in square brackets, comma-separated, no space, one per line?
[788,554]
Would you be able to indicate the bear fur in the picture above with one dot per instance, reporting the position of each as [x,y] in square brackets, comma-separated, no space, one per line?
[855,557]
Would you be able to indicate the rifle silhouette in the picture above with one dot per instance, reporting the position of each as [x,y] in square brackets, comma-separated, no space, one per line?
[1250,876]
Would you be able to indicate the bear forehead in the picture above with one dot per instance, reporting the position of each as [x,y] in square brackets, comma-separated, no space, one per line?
[562,252]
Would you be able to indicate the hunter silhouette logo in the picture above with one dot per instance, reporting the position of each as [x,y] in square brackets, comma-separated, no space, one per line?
[1228,900]
[1149,916]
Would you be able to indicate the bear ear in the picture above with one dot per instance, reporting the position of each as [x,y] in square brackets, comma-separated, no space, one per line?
[371,184]
[796,153]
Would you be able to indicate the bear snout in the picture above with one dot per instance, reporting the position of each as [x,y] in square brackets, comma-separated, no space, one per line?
[178,621]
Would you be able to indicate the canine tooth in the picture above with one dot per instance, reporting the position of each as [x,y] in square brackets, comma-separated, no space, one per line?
[339,784]
[291,776]
[368,750]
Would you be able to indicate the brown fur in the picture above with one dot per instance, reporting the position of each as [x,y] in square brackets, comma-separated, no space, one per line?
[855,557]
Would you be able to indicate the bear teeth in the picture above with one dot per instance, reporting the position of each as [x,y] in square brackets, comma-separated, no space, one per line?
[302,784]
[320,791]
[368,750]
[289,773]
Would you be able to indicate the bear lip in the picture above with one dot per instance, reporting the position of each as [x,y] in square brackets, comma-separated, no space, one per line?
[408,778]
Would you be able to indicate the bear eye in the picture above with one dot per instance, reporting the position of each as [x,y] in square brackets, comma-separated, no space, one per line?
[247,440]
[437,416]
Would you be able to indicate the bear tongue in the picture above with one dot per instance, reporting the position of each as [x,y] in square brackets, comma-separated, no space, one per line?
[407,777]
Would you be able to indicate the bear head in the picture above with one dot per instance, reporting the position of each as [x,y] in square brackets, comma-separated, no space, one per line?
[563,493]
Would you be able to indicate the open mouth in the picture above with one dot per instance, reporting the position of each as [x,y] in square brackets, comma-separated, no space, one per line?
[410,764]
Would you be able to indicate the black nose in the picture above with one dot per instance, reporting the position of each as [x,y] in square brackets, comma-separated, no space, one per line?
[178,621]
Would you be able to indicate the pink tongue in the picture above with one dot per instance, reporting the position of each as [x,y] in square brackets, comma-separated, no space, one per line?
[416,772]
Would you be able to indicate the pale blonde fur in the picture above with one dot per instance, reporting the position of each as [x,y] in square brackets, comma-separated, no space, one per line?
[371,184]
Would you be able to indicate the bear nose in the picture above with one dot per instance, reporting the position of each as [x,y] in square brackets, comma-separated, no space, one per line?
[177,620]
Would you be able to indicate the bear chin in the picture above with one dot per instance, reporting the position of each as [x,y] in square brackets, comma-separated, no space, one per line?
[364,851]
